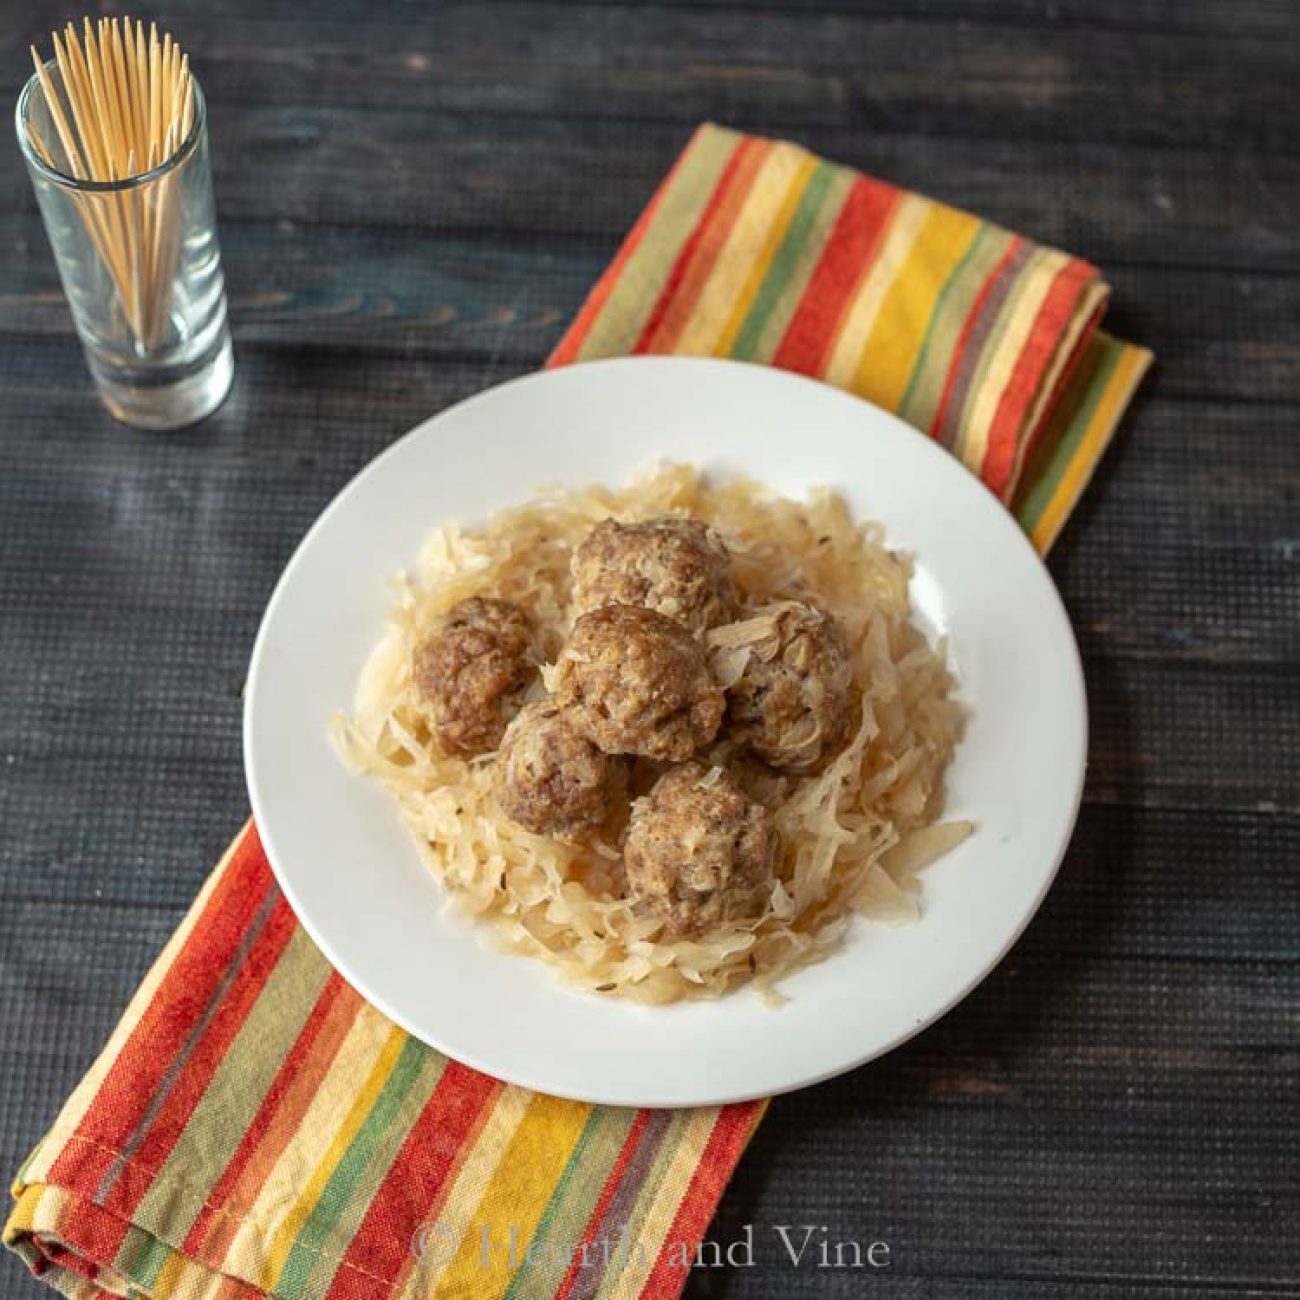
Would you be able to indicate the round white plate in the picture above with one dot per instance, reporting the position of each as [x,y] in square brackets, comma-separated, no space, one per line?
[357,882]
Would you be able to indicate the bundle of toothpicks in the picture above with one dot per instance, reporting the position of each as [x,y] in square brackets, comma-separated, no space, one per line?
[123,108]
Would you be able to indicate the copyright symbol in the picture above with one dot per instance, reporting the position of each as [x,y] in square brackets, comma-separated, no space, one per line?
[434,1242]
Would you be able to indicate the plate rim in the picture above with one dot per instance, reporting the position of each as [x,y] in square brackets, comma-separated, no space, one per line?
[329,949]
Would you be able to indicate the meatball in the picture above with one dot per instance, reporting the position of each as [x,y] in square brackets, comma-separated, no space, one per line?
[636,682]
[677,567]
[470,673]
[698,851]
[790,704]
[549,778]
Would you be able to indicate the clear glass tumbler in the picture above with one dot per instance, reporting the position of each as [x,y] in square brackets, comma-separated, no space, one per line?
[141,268]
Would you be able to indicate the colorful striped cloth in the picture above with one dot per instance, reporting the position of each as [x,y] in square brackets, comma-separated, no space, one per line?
[253,1127]
[758,250]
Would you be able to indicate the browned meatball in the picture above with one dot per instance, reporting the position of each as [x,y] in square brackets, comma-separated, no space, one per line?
[636,682]
[790,705]
[549,778]
[471,671]
[698,851]
[677,567]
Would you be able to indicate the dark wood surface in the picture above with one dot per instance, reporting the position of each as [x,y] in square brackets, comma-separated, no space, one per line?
[413,199]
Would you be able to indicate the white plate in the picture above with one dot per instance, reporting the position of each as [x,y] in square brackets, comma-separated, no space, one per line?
[357,882]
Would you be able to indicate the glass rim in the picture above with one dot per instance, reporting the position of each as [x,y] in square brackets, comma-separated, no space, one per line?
[69,182]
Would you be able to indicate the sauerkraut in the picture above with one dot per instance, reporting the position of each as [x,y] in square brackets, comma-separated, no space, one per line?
[852,836]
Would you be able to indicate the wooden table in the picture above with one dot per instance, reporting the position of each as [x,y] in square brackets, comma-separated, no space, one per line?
[413,200]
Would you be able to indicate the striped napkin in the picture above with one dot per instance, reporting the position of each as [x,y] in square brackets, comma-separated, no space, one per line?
[758,250]
[253,1127]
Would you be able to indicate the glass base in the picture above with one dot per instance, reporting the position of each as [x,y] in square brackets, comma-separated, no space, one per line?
[159,404]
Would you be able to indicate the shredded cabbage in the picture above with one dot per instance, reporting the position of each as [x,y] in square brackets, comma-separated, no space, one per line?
[852,837]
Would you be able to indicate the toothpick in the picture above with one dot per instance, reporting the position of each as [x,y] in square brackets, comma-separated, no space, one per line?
[127,105]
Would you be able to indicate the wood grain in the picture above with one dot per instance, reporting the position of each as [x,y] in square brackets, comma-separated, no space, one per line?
[845,68]
[1113,1112]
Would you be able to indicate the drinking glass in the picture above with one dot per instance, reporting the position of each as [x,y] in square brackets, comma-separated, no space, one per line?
[141,268]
